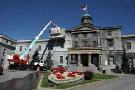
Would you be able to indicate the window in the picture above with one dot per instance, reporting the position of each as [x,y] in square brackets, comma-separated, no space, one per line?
[111,60]
[128,45]
[61,59]
[110,42]
[84,35]
[39,47]
[62,45]
[85,43]
[76,35]
[4,51]
[130,61]
[6,41]
[76,44]
[94,34]
[12,43]
[94,43]
[109,33]
[20,49]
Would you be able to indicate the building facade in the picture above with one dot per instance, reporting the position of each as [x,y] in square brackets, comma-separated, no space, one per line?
[7,47]
[95,47]
[129,46]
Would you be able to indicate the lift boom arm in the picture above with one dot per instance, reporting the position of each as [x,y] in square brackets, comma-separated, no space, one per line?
[26,51]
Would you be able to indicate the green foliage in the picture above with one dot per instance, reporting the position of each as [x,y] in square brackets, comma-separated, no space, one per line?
[45,82]
[35,57]
[49,61]
[88,75]
[124,63]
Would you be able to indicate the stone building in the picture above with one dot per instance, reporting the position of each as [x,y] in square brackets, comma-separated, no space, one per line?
[129,46]
[7,47]
[94,46]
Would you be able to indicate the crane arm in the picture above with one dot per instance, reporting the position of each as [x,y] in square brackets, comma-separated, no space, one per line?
[26,51]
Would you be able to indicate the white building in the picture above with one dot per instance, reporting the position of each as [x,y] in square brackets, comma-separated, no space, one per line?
[57,44]
[7,47]
[129,46]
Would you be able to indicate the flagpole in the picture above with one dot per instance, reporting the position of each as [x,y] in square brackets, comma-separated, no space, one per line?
[86,11]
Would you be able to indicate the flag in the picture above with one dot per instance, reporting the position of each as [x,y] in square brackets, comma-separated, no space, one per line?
[84,7]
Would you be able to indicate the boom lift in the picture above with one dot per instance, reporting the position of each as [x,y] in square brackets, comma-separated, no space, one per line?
[21,60]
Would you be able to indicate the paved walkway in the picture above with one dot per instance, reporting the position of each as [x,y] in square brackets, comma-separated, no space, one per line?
[10,74]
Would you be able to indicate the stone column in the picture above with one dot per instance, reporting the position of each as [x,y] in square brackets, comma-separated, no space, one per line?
[100,59]
[99,43]
[79,68]
[69,59]
[79,59]
[89,59]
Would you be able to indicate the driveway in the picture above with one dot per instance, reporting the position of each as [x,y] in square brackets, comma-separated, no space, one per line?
[124,82]
[8,75]
[19,80]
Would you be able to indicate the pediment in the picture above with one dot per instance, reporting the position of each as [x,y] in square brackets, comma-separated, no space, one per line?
[85,28]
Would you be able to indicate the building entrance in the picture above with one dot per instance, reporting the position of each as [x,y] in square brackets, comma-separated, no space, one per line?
[84,59]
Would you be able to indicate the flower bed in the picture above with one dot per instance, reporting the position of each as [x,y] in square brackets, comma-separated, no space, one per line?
[60,75]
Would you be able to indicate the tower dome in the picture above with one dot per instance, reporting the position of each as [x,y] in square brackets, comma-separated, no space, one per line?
[86,20]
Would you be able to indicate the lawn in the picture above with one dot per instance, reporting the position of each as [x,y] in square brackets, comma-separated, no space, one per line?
[45,82]
[96,77]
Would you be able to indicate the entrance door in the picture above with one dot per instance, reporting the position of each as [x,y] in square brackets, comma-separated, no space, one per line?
[84,59]
[95,59]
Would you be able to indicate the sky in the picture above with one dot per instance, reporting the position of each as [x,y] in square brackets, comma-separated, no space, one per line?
[24,19]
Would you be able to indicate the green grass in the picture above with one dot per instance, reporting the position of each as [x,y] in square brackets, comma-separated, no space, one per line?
[45,82]
[96,77]
[68,85]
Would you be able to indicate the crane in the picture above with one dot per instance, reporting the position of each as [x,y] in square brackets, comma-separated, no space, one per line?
[22,58]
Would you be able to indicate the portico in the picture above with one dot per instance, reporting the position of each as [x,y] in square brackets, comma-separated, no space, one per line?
[85,56]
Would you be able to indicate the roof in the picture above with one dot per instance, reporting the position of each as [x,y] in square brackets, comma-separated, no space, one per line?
[128,36]
[110,28]
[8,38]
[27,41]
[86,14]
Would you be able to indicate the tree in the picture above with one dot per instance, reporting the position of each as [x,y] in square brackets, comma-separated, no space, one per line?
[49,62]
[125,64]
[35,57]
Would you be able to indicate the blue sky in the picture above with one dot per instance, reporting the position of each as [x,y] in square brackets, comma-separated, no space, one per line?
[23,19]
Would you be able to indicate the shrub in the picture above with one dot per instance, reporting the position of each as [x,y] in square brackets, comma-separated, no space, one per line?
[88,75]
